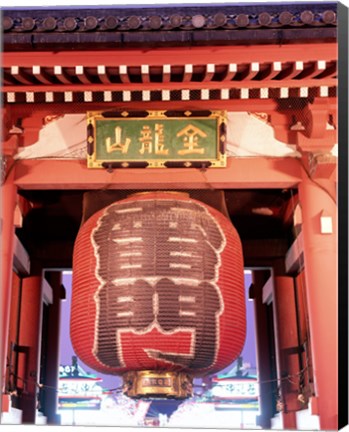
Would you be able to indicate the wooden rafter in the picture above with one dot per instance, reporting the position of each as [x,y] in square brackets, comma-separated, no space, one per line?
[253,67]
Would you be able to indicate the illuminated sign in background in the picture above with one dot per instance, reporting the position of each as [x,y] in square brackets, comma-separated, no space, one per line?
[236,389]
[156,139]
[76,391]
[235,394]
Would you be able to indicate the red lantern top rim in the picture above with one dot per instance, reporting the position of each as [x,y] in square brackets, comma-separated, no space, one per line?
[143,193]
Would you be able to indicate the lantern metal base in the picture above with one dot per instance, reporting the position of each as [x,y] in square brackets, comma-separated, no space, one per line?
[161,384]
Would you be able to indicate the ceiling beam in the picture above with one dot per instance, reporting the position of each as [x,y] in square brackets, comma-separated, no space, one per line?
[240,173]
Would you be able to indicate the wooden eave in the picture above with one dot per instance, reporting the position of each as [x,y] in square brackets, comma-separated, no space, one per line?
[124,27]
[200,68]
[276,57]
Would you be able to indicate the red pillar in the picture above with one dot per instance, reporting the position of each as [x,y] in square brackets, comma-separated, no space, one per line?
[286,341]
[13,330]
[29,339]
[320,259]
[8,205]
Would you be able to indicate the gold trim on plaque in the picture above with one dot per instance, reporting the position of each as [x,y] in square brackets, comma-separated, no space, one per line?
[155,140]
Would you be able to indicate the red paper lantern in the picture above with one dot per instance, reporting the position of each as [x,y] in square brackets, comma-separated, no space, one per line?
[158,288]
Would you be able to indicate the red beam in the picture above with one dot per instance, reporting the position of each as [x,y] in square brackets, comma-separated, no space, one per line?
[22,110]
[240,173]
[176,56]
[328,82]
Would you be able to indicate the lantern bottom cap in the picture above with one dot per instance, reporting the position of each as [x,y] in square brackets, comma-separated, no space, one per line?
[157,384]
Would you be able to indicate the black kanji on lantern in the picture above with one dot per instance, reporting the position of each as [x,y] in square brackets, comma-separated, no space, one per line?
[158,262]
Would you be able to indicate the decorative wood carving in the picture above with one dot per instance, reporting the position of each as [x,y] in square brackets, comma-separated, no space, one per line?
[169,18]
[242,20]
[264,19]
[70,24]
[49,23]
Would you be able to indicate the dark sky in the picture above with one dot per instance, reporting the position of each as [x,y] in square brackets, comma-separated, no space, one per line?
[111,381]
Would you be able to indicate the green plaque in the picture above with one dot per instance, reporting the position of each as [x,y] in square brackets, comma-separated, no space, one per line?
[156,139]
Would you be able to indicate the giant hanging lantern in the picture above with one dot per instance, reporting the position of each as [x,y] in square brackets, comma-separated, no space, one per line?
[158,293]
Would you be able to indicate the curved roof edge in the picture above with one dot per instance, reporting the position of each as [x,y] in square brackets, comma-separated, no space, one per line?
[172,25]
